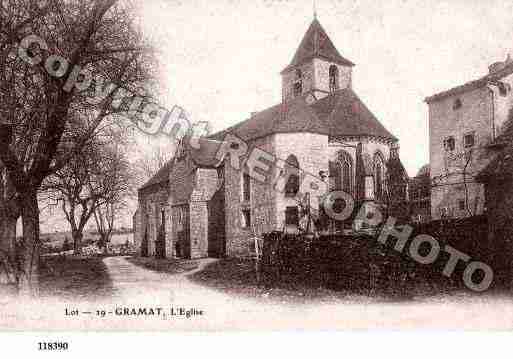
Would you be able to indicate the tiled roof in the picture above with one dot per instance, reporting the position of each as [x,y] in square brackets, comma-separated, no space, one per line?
[472,85]
[339,114]
[316,43]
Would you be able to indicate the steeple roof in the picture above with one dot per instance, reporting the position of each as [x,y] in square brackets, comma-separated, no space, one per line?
[316,43]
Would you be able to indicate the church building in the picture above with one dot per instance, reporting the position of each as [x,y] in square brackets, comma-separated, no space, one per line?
[198,205]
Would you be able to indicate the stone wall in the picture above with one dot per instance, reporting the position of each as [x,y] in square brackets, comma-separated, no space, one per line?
[311,152]
[217,222]
[315,77]
[261,205]
[321,71]
[198,229]
[151,201]
[288,79]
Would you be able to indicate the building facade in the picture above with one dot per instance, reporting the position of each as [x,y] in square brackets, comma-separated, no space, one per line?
[463,124]
[320,129]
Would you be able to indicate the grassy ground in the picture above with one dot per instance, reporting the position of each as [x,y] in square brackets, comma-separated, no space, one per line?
[169,266]
[237,277]
[75,277]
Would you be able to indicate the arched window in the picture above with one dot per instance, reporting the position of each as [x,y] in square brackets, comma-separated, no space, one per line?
[333,72]
[292,172]
[298,83]
[341,173]
[379,176]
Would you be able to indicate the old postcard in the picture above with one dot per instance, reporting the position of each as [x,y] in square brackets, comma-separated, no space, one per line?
[255,165]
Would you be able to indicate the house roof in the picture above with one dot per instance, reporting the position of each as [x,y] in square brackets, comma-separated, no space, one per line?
[339,114]
[506,70]
[316,43]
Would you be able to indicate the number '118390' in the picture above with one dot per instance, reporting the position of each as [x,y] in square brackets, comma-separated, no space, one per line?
[52,346]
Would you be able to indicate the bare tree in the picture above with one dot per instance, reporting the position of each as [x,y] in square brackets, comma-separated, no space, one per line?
[39,102]
[116,186]
[83,185]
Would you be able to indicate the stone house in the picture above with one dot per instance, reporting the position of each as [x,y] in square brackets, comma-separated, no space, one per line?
[463,125]
[206,206]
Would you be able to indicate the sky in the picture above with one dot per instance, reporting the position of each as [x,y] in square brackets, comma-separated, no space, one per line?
[221,59]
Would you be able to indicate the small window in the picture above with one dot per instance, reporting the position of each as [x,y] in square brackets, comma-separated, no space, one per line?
[449,144]
[469,140]
[461,204]
[246,187]
[333,75]
[457,104]
[246,218]
[444,213]
[292,216]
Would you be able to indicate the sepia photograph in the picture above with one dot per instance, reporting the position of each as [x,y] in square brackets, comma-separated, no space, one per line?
[268,165]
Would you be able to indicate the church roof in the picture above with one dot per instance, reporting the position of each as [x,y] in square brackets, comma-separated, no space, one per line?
[203,156]
[342,113]
[161,176]
[316,43]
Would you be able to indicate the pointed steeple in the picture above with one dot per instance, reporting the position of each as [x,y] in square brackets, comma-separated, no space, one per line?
[317,44]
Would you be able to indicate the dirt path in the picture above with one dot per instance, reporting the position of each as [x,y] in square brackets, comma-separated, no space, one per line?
[138,287]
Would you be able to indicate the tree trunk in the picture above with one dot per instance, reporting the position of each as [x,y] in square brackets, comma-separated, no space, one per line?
[7,247]
[29,248]
[104,240]
[77,241]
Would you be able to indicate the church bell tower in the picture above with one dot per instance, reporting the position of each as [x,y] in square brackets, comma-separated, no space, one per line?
[317,68]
